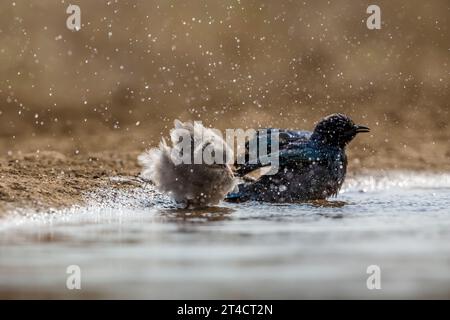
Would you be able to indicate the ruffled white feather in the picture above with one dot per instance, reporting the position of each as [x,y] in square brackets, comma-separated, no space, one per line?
[192,184]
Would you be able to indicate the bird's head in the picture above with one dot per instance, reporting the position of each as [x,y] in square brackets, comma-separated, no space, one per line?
[337,130]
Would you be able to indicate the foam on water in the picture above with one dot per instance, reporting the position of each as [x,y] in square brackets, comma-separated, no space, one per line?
[138,243]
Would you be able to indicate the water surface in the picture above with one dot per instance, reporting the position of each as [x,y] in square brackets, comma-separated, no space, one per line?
[136,244]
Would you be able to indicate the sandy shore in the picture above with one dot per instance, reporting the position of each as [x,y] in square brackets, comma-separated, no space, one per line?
[52,179]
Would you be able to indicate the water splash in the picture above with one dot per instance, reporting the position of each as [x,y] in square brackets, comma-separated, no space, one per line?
[382,181]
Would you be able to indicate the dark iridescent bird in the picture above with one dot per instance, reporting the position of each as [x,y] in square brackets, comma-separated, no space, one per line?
[312,165]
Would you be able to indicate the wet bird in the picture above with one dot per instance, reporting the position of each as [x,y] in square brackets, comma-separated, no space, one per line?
[173,170]
[312,165]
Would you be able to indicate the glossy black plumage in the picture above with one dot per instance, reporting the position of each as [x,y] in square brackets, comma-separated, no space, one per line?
[312,165]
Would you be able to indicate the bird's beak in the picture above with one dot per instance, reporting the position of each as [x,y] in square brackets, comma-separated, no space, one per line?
[360,129]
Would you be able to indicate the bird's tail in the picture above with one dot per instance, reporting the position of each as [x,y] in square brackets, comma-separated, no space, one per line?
[173,170]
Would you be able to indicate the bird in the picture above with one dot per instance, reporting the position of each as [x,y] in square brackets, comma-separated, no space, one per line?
[173,170]
[312,165]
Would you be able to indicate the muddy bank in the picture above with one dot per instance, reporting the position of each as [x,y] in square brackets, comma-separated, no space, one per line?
[52,179]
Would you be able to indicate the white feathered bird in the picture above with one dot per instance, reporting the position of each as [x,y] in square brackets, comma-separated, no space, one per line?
[195,185]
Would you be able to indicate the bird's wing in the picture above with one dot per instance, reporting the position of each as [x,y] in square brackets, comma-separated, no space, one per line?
[288,140]
[300,155]
[284,136]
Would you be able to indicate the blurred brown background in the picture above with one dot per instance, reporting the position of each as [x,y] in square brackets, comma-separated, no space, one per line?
[135,66]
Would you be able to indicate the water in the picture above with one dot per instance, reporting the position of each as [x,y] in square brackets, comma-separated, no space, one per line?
[136,244]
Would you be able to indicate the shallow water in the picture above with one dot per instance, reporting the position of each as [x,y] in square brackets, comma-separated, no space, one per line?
[136,244]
